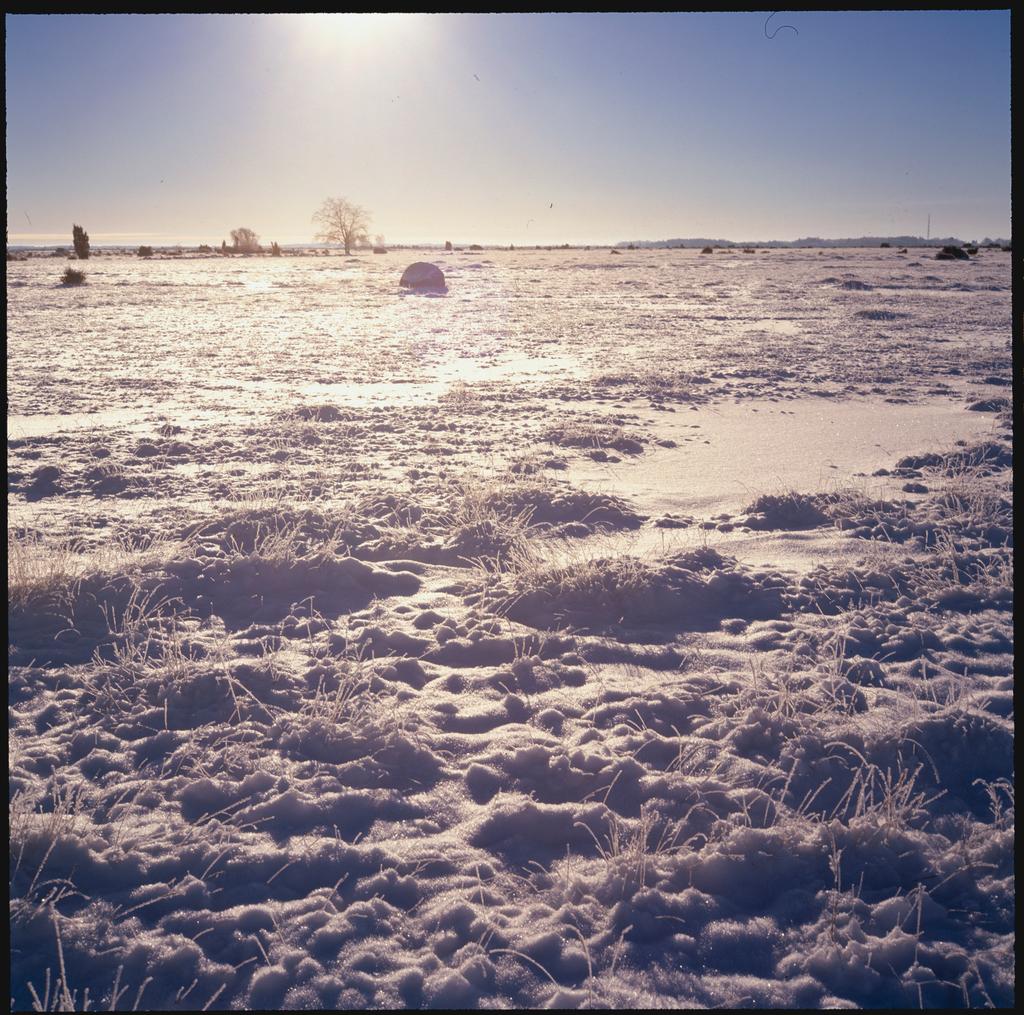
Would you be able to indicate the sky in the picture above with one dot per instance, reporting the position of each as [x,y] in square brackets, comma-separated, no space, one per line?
[525,129]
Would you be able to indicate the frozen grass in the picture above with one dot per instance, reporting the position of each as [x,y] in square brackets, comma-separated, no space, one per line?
[460,397]
[273,528]
[594,436]
[38,570]
[349,711]
[35,831]
[379,722]
[814,759]
[492,520]
[966,500]
[47,572]
[563,580]
[487,521]
[576,586]
[787,511]
[655,383]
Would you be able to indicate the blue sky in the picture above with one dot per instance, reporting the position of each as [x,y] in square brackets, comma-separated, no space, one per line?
[509,128]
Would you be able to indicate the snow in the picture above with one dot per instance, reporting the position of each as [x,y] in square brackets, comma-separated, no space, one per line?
[570,638]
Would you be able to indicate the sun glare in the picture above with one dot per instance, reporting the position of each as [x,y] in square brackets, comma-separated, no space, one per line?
[347,33]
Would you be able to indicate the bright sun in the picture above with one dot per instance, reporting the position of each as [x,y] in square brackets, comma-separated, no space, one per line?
[345,33]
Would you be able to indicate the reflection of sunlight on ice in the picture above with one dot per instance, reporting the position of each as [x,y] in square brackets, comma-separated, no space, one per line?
[267,328]
[41,423]
[410,389]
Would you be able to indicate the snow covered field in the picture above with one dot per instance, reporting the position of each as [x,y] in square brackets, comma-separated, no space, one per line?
[613,630]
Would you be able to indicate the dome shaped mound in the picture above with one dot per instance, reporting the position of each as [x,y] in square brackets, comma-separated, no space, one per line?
[423,275]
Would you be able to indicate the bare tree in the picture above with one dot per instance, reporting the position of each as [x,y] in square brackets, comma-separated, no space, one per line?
[342,222]
[245,240]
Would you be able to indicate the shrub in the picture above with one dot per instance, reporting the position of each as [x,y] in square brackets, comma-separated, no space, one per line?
[275,250]
[80,239]
[707,250]
[72,277]
[145,251]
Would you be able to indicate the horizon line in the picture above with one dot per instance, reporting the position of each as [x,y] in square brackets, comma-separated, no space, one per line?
[47,240]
